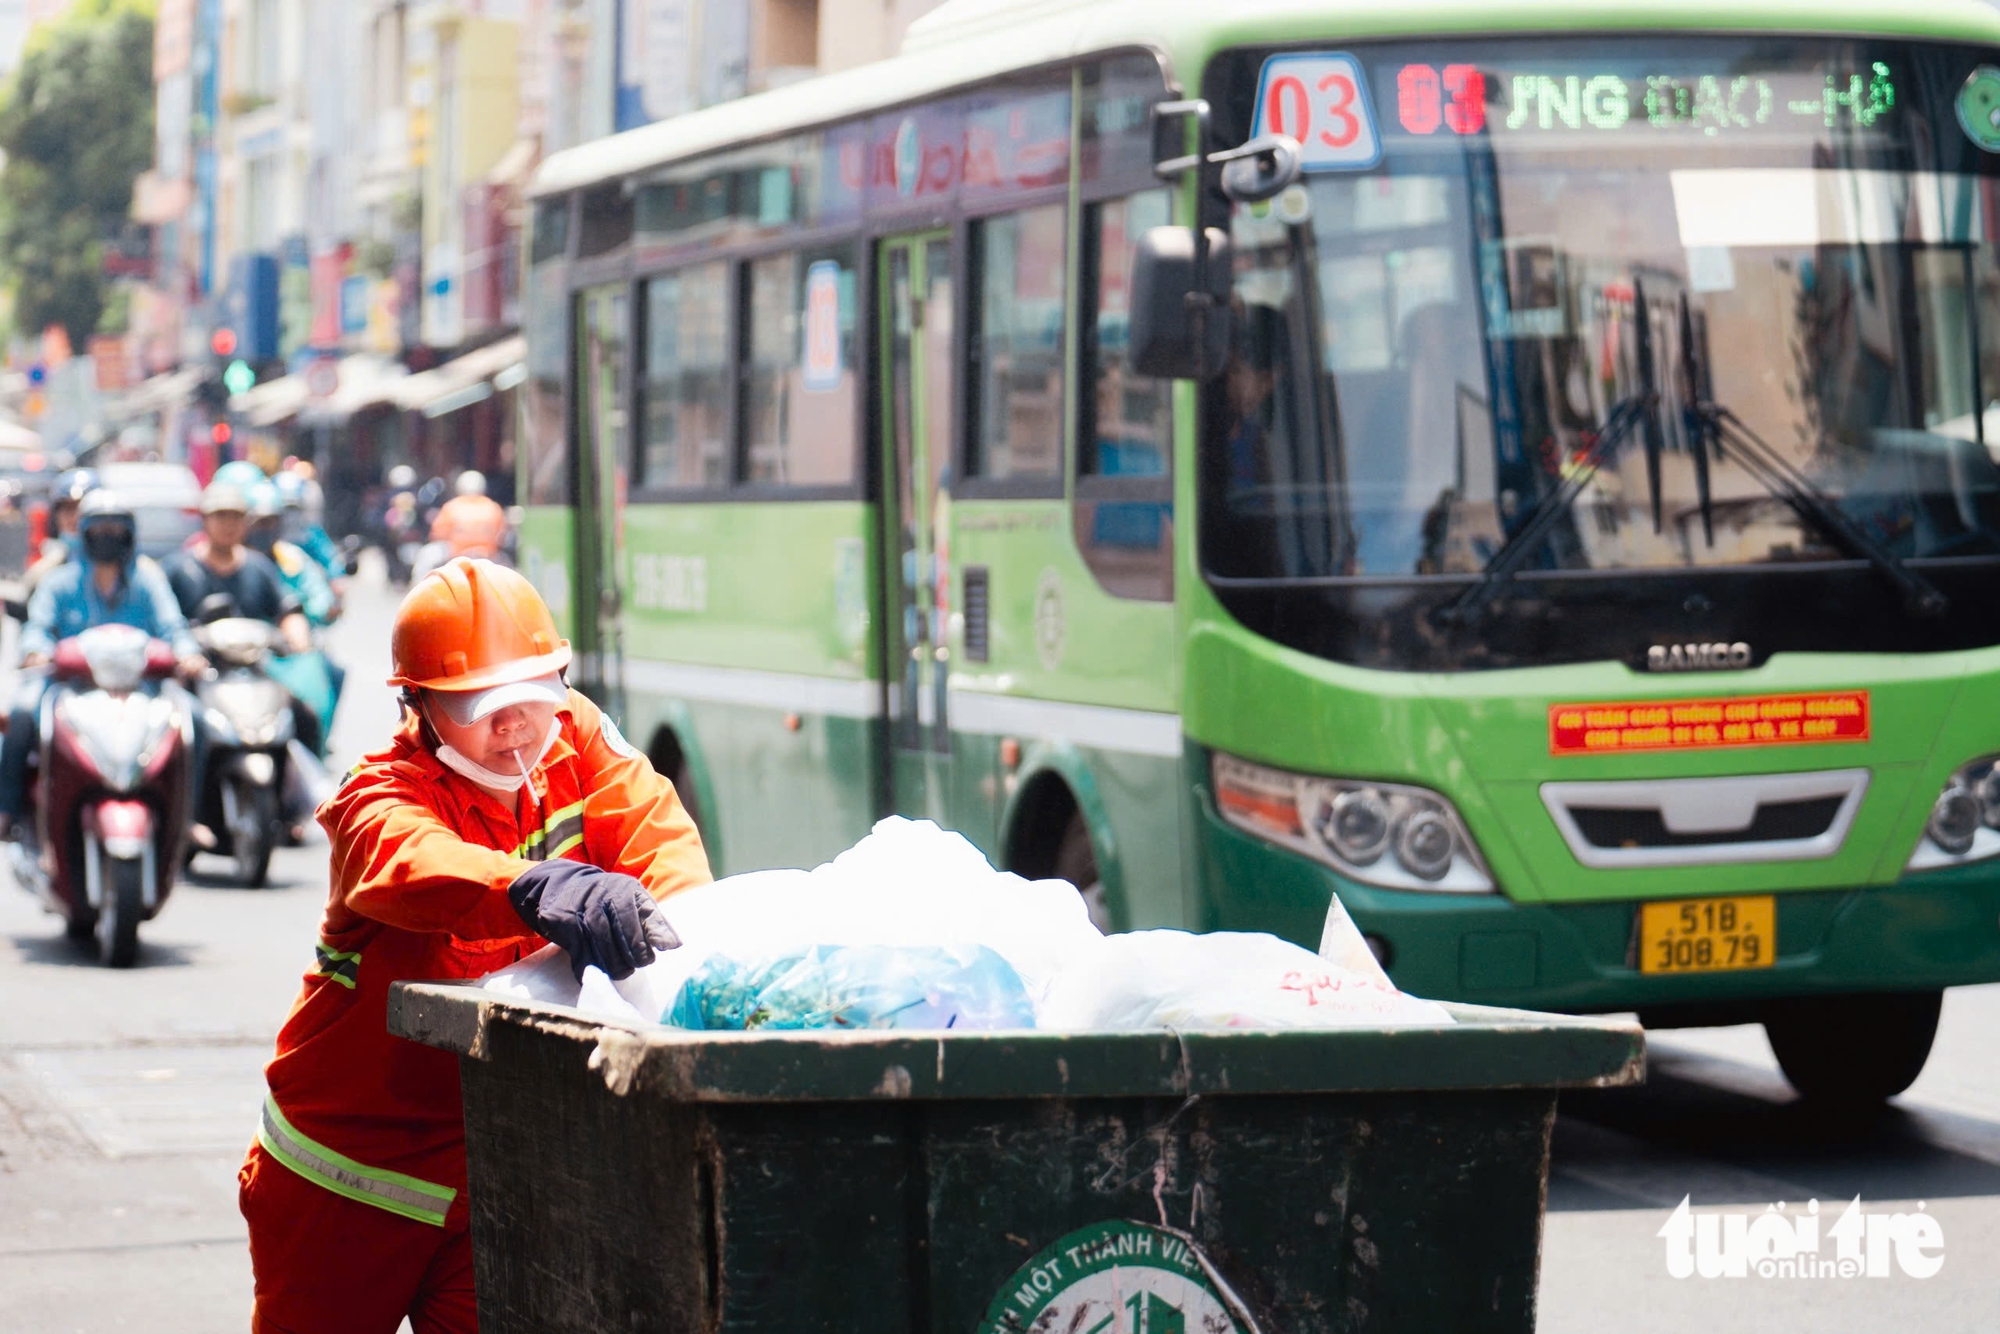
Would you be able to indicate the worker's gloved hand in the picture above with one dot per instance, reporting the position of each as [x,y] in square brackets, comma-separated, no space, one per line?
[600,917]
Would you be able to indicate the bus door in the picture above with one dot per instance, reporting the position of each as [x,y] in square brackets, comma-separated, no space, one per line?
[603,338]
[919,383]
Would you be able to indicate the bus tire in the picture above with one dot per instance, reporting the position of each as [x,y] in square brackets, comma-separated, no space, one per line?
[1856,1050]
[1076,862]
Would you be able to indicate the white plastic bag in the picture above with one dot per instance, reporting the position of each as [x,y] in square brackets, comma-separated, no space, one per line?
[1227,979]
[909,883]
[912,884]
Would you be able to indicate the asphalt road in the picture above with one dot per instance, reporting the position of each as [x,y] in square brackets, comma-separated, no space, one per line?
[126,1100]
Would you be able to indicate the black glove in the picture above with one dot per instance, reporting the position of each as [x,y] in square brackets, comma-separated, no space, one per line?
[600,917]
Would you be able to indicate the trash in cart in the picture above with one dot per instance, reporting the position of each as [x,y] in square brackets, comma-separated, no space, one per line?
[912,928]
[857,986]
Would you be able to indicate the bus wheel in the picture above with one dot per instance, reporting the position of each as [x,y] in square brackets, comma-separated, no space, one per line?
[1076,862]
[1854,1050]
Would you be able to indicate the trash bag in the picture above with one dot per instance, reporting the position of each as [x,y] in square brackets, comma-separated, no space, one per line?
[908,884]
[856,986]
[1227,979]
[911,928]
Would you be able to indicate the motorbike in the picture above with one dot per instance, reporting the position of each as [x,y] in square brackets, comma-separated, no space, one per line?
[103,841]
[403,537]
[252,725]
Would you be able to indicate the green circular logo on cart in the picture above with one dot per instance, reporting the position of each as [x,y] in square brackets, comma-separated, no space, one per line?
[1112,1278]
[1979,108]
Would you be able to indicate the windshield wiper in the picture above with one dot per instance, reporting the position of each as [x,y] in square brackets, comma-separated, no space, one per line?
[1626,414]
[1695,388]
[1776,475]
[1711,422]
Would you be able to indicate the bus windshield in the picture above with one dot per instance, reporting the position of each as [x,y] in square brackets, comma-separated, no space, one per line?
[1428,336]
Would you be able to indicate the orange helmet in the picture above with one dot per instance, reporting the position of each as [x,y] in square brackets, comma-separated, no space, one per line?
[471,625]
[471,525]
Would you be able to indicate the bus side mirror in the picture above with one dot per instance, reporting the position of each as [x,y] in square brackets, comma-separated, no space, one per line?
[1180,304]
[1260,169]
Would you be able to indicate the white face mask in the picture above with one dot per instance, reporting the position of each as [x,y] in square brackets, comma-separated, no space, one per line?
[466,767]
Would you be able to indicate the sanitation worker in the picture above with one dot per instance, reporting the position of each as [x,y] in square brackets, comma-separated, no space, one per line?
[506,812]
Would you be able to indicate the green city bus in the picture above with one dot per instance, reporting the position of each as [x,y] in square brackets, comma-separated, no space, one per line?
[1547,501]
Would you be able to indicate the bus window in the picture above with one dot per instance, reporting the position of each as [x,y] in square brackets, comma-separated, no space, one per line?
[1017,371]
[800,386]
[546,305]
[1115,118]
[1124,494]
[607,222]
[686,385]
[1128,418]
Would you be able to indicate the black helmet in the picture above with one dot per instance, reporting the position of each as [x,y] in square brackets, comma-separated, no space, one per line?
[109,533]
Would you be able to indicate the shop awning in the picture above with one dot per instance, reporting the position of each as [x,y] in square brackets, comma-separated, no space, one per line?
[466,380]
[157,394]
[271,402]
[366,381]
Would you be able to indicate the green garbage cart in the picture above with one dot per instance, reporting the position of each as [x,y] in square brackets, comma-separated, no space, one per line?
[981,1183]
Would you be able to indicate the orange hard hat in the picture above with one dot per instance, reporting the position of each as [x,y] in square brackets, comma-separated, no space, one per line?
[471,625]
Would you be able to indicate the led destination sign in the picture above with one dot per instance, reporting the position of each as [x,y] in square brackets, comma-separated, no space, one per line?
[1323,100]
[1462,99]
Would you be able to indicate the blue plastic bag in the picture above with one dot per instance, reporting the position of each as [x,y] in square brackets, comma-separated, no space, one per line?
[856,986]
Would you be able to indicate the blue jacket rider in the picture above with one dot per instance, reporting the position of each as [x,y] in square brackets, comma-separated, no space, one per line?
[113,584]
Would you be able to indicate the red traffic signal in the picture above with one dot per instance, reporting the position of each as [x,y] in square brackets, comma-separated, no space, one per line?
[221,434]
[223,342]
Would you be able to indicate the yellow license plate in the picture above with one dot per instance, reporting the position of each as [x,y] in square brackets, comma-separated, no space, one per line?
[1708,935]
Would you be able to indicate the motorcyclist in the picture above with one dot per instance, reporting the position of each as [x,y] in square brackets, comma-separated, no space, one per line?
[430,496]
[400,532]
[471,524]
[304,505]
[506,811]
[63,542]
[219,562]
[314,678]
[302,575]
[110,584]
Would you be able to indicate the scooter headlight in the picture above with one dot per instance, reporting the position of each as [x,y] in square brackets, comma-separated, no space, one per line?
[1386,834]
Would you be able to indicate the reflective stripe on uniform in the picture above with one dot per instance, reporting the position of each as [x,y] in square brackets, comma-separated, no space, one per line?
[560,832]
[336,965]
[399,1194]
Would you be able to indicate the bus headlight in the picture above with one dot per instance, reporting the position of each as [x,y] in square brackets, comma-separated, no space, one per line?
[1383,834]
[1964,824]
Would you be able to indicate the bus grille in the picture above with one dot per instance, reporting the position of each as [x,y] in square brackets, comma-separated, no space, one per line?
[1706,821]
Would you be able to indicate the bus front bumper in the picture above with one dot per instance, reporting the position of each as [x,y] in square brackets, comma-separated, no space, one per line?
[1936,930]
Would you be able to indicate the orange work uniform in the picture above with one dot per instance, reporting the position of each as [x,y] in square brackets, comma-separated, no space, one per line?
[369,1222]
[470,525]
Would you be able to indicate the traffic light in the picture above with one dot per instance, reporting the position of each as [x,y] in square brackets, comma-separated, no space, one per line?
[211,394]
[223,342]
[238,378]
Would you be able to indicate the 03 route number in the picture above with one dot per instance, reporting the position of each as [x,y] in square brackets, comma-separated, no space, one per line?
[1321,100]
